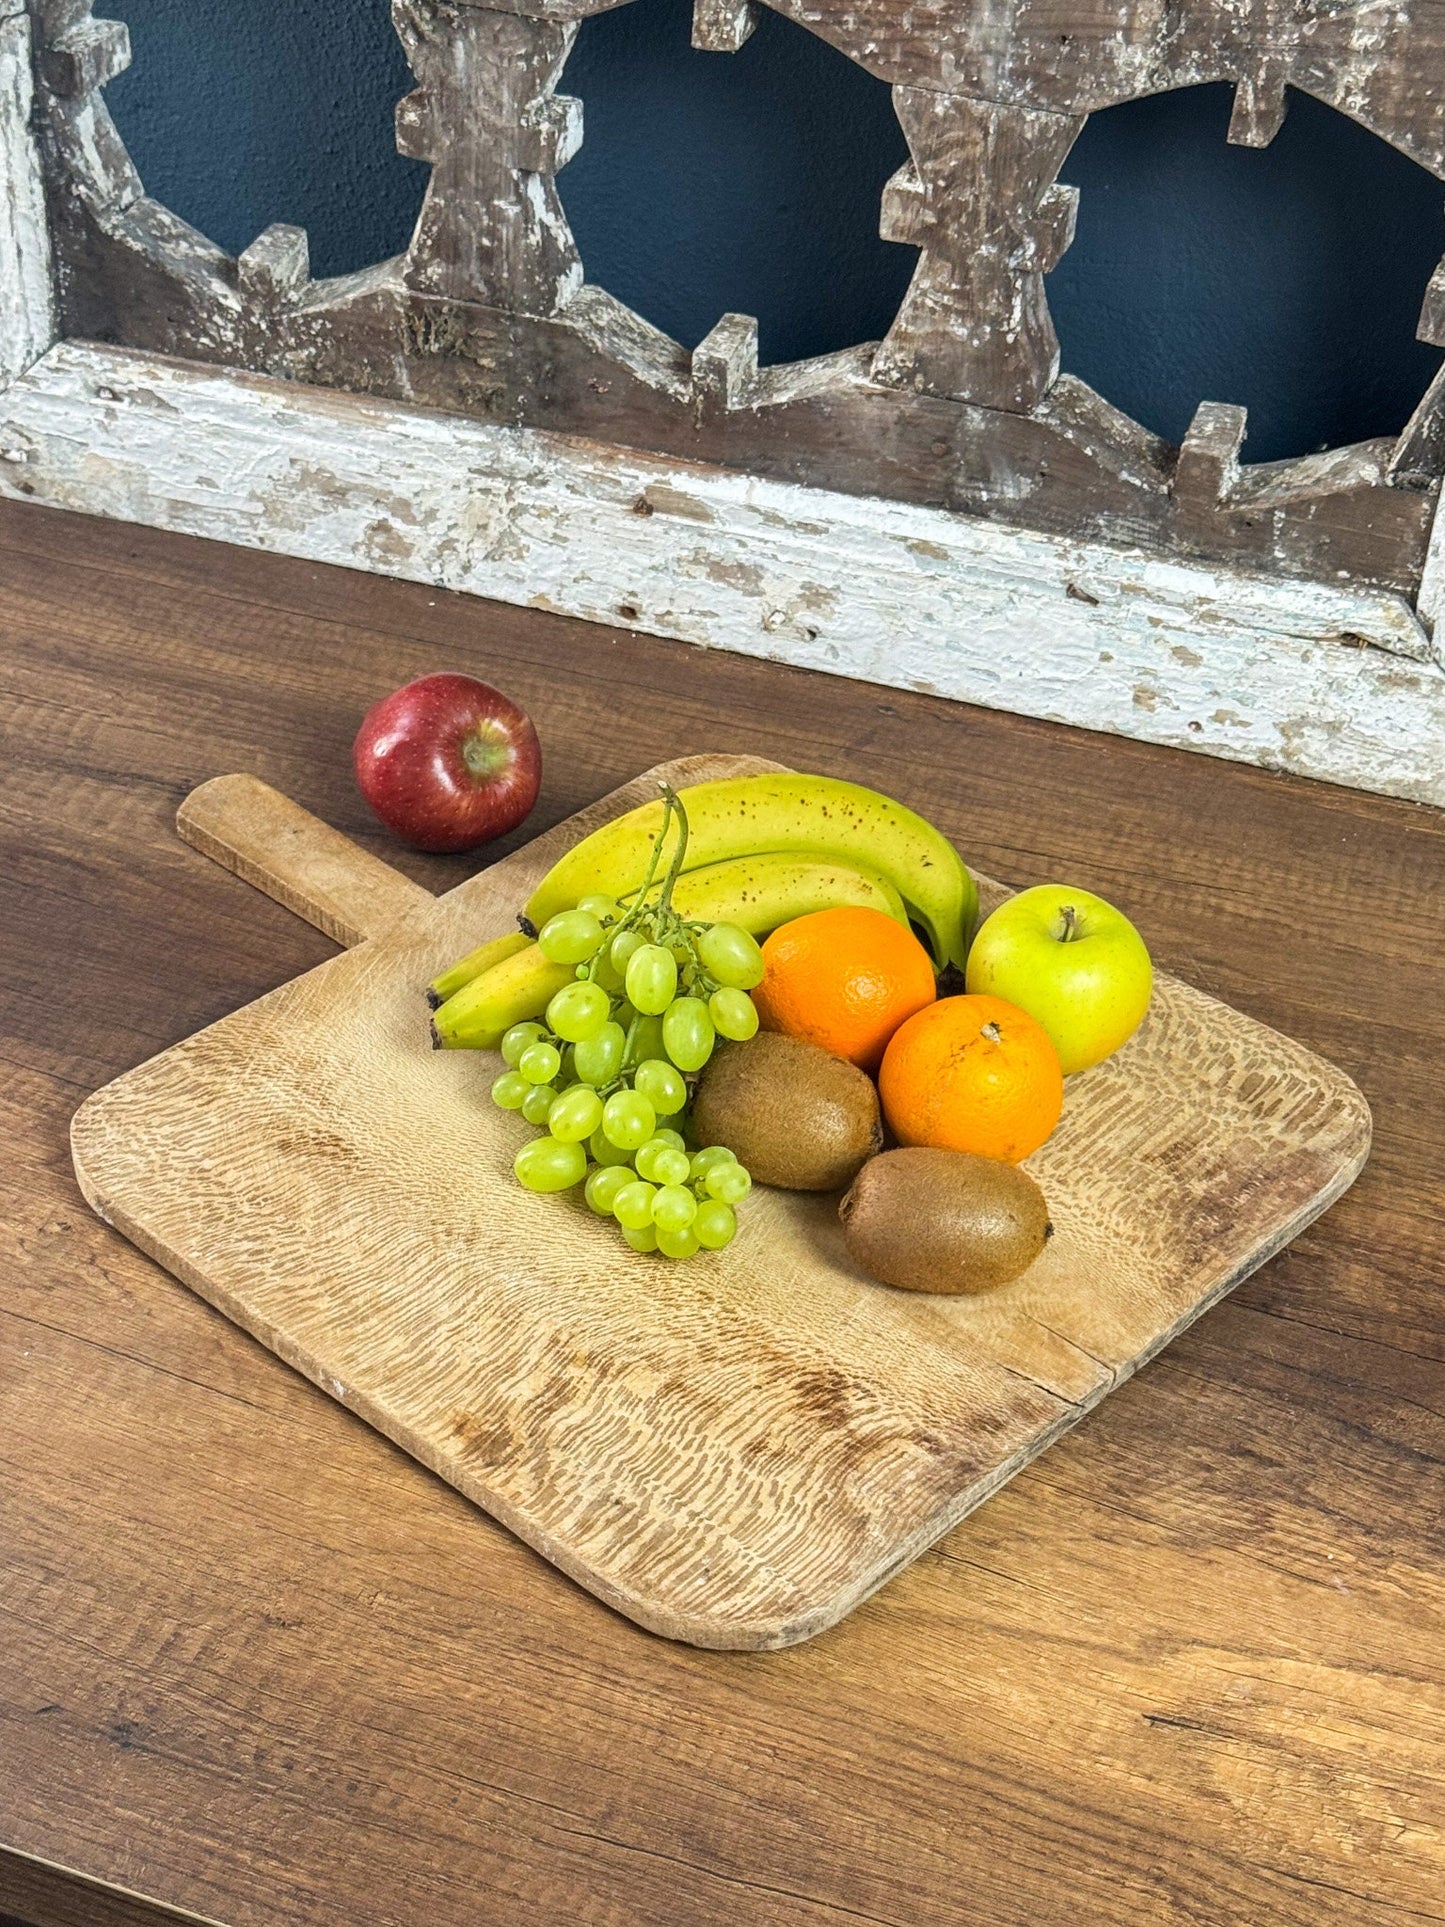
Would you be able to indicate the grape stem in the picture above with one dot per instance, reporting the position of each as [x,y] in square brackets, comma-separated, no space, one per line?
[675,806]
[672,806]
[631,1044]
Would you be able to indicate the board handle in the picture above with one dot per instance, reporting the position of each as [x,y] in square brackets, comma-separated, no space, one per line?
[261,835]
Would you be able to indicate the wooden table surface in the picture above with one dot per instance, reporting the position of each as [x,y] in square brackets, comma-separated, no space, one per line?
[258,1666]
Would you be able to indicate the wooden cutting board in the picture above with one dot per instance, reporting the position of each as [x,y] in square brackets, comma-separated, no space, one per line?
[736,1450]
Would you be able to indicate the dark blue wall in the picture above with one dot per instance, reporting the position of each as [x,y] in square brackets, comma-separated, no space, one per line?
[1289,279]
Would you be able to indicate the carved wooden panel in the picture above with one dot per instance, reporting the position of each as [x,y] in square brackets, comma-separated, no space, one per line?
[961,406]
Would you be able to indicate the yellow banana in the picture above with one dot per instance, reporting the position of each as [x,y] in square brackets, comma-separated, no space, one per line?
[474,964]
[760,892]
[508,980]
[520,986]
[748,815]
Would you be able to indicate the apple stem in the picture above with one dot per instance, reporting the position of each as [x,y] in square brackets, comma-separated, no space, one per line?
[1071,924]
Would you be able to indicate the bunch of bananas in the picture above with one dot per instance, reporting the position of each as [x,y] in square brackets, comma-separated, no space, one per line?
[761,851]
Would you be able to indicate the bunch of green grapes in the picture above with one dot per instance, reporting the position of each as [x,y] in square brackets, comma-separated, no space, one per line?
[607,1070]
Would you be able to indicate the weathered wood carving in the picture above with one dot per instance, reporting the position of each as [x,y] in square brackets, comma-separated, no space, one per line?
[979,199]
[492,229]
[961,408]
[958,407]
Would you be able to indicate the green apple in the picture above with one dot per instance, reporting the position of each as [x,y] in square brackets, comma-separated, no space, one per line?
[1073,962]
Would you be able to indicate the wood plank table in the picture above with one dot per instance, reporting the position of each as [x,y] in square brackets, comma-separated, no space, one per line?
[258,1667]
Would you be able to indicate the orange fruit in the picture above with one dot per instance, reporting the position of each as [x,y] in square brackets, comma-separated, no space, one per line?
[844,979]
[972,1074]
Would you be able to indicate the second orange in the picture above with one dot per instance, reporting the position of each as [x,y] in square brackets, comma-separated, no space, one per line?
[973,1074]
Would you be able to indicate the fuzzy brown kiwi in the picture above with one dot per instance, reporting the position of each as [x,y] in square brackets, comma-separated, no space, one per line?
[796,1116]
[943,1221]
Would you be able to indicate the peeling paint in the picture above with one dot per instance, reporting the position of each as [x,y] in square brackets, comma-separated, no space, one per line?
[662,500]
[385,547]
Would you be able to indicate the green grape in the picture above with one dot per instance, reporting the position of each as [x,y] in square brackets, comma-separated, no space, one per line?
[575,1115]
[628,1119]
[647,1044]
[674,1138]
[510,1091]
[601,906]
[571,937]
[662,1163]
[623,947]
[730,956]
[729,1183]
[734,1014]
[661,1084]
[673,1166]
[715,1225]
[673,1207]
[546,1165]
[604,1151]
[597,1059]
[578,1011]
[706,1160]
[644,1159]
[519,1038]
[604,1184]
[632,1207]
[641,1237]
[651,979]
[605,973]
[680,1242]
[540,1063]
[537,1103]
[688,1033]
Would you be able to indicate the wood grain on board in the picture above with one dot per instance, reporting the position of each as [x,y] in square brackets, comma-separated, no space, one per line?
[257,1664]
[262,836]
[737,1450]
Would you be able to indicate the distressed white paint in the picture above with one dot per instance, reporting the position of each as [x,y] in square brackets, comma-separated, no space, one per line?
[1200,657]
[27,310]
[1432,580]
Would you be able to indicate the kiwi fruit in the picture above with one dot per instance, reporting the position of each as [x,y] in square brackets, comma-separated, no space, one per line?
[796,1116]
[943,1221]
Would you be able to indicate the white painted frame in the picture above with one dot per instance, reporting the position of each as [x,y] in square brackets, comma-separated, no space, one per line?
[1334,682]
[27,305]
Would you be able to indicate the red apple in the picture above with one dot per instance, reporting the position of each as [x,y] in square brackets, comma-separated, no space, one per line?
[448,762]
